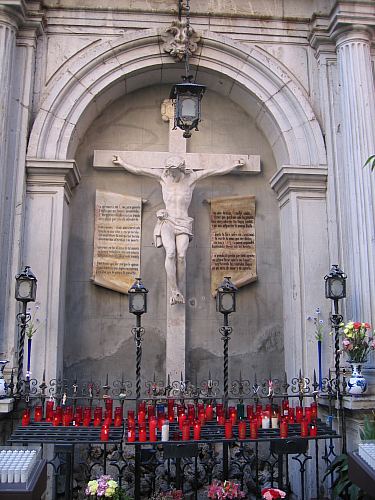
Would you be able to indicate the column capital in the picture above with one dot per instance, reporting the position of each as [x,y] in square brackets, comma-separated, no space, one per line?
[13,13]
[299,178]
[57,173]
[352,33]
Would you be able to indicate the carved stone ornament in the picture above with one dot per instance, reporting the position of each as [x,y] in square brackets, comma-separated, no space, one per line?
[175,40]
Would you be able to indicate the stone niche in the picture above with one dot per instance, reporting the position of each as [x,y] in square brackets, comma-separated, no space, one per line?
[98,337]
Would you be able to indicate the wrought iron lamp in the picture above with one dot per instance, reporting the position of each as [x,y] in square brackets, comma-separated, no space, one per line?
[187,95]
[335,283]
[226,297]
[25,292]
[26,284]
[335,289]
[138,306]
[138,298]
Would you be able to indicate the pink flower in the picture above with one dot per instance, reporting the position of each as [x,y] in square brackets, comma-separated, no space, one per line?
[271,493]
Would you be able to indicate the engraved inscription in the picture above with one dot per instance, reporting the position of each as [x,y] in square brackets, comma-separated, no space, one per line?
[117,240]
[233,240]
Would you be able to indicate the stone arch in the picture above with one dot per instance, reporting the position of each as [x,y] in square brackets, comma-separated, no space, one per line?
[85,84]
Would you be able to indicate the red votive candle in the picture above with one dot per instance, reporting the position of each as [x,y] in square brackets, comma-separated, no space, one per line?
[313,430]
[284,428]
[254,428]
[150,411]
[49,410]
[242,429]
[299,414]
[291,415]
[258,408]
[131,434]
[181,420]
[152,428]
[285,407]
[233,415]
[26,417]
[314,410]
[209,412]
[197,430]
[304,428]
[142,432]
[221,419]
[228,429]
[186,430]
[249,411]
[118,420]
[57,421]
[202,417]
[38,413]
[104,433]
[219,409]
[308,414]
[141,416]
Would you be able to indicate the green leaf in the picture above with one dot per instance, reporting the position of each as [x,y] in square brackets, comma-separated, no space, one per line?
[370,162]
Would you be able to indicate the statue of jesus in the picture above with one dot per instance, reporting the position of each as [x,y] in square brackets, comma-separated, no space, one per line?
[174,227]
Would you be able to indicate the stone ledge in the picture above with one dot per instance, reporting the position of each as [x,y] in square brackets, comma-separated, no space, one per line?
[6,405]
[353,403]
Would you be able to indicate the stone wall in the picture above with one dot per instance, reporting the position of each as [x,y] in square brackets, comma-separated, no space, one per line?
[98,325]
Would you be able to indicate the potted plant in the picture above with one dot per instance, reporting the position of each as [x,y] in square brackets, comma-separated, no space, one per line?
[357,343]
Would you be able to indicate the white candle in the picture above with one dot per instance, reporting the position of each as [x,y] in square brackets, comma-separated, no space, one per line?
[165,431]
[265,422]
[274,423]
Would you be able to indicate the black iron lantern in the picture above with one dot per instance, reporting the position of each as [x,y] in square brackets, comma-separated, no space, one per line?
[26,284]
[226,297]
[335,283]
[187,96]
[138,298]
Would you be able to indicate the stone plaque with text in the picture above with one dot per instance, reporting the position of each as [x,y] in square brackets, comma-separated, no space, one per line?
[117,240]
[233,240]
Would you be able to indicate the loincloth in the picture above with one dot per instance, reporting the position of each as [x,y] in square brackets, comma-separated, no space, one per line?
[179,226]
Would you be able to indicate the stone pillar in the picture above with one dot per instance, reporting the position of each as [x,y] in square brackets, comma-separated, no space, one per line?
[49,189]
[301,193]
[10,19]
[357,185]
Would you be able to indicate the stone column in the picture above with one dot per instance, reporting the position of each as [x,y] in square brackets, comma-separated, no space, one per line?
[301,192]
[10,19]
[49,189]
[357,185]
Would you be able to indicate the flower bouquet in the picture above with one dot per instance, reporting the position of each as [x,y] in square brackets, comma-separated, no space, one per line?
[227,489]
[357,342]
[105,487]
[270,493]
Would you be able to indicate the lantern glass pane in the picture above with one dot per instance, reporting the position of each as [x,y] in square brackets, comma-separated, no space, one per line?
[188,108]
[138,302]
[337,288]
[227,302]
[24,289]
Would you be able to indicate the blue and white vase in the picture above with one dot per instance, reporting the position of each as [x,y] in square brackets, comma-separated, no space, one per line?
[3,384]
[357,383]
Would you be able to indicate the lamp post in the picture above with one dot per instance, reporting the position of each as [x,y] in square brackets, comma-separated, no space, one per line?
[25,292]
[187,95]
[335,289]
[226,304]
[138,306]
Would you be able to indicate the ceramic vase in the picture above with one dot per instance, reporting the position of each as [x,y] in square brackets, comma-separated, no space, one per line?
[357,384]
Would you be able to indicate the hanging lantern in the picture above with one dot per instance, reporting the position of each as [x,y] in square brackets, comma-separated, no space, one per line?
[187,96]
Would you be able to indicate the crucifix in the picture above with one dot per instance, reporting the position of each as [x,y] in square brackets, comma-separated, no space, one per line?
[177,172]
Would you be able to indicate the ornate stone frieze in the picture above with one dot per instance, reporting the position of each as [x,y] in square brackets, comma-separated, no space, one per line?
[178,38]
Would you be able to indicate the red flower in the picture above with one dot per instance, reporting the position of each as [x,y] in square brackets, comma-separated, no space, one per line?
[357,325]
[367,325]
